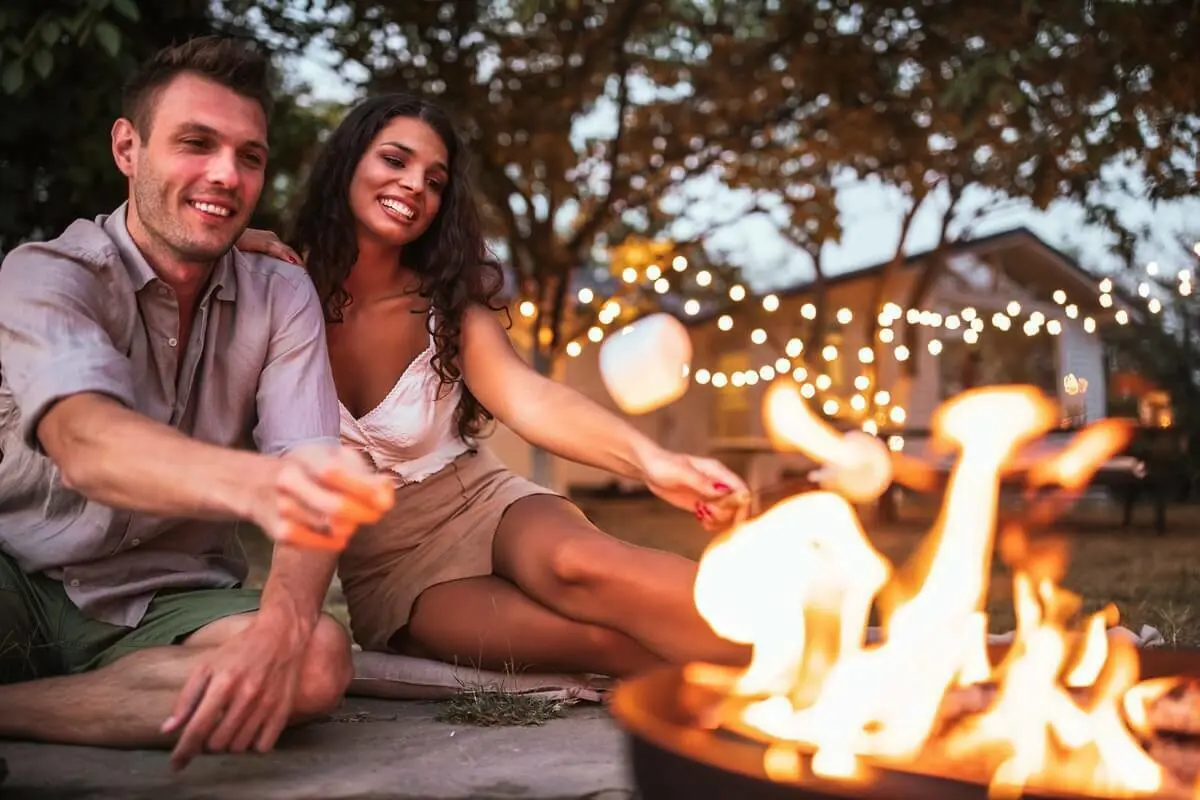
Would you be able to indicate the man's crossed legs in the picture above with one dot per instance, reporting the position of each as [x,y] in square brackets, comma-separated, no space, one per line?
[70,679]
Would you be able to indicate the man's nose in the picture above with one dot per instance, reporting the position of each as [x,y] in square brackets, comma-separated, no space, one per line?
[223,169]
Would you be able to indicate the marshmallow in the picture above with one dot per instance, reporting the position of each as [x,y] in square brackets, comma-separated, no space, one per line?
[855,465]
[647,364]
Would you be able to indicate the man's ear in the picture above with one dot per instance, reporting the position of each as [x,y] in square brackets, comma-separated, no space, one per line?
[125,144]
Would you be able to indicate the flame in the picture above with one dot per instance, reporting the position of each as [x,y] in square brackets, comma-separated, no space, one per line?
[798,584]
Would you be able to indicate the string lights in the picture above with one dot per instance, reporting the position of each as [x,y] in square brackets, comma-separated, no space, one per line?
[966,322]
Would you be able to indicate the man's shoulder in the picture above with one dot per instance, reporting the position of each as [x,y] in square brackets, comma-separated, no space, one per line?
[269,266]
[270,270]
[84,242]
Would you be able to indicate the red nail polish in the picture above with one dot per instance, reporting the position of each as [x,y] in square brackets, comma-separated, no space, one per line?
[722,487]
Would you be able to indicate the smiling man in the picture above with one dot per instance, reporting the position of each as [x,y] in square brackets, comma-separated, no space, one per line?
[157,387]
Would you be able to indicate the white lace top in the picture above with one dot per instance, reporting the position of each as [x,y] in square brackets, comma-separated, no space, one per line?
[412,432]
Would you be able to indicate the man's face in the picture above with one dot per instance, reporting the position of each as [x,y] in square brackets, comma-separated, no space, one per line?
[197,174]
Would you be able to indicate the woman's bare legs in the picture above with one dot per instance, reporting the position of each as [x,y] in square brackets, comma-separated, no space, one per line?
[549,549]
[490,624]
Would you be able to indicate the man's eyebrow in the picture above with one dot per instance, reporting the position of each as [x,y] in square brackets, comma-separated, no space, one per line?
[405,148]
[201,128]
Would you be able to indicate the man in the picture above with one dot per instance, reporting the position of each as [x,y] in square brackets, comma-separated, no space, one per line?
[143,362]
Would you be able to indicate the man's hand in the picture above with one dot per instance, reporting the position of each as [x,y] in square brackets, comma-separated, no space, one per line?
[240,696]
[318,496]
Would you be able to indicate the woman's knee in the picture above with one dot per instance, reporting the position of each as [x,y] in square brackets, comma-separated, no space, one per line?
[589,559]
[327,672]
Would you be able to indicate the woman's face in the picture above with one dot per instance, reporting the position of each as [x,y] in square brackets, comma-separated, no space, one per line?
[397,187]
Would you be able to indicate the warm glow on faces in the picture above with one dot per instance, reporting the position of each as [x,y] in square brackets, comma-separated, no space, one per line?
[196,176]
[398,185]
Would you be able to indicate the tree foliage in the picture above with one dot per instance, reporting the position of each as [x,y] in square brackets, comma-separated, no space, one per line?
[593,120]
[62,66]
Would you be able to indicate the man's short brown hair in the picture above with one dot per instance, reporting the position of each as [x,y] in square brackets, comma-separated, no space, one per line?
[234,63]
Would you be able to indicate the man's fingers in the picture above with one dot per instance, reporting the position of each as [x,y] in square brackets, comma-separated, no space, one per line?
[273,726]
[197,729]
[242,707]
[188,699]
[305,499]
[343,470]
[339,486]
[298,536]
[263,711]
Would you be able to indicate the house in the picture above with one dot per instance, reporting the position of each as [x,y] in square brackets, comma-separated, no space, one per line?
[1006,308]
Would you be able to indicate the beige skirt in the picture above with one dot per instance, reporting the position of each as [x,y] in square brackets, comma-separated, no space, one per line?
[440,529]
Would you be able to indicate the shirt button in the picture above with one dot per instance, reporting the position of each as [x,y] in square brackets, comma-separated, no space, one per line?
[164,291]
[134,542]
[172,341]
[75,582]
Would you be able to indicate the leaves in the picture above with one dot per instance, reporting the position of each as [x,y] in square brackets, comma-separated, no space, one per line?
[60,92]
[50,32]
[43,63]
[109,37]
[769,99]
[12,77]
[127,9]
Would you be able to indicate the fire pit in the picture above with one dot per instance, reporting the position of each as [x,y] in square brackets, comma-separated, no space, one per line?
[675,754]
[926,710]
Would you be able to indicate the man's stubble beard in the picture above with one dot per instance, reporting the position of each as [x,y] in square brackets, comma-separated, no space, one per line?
[169,234]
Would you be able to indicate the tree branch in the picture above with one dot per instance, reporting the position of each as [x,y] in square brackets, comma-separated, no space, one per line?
[617,182]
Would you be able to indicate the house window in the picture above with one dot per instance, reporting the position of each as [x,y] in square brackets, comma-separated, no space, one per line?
[733,406]
[1000,357]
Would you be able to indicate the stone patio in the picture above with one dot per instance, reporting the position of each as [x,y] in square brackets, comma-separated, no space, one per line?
[369,749]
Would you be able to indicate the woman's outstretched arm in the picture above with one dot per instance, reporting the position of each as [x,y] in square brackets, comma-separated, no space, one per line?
[563,421]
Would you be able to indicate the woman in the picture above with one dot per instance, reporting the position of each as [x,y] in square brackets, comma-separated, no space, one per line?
[475,564]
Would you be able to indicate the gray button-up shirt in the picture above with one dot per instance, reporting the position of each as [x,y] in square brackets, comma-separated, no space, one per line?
[86,313]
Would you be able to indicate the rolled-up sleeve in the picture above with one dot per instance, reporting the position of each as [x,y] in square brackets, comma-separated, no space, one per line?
[297,400]
[54,341]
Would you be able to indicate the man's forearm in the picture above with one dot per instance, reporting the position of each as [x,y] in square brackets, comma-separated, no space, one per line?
[120,458]
[296,587]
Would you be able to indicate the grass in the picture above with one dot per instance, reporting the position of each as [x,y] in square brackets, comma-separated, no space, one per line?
[491,707]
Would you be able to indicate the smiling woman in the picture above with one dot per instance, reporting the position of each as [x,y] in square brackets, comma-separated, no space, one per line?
[476,563]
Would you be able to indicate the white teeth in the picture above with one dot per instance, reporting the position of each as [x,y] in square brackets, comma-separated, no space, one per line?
[209,208]
[398,207]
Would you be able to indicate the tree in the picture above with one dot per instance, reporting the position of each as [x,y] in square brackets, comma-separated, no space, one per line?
[591,117]
[61,73]
[595,121]
[61,80]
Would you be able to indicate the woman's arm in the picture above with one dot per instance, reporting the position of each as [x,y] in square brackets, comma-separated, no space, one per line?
[542,411]
[559,419]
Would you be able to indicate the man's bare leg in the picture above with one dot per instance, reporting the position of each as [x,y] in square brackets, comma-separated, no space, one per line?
[124,704]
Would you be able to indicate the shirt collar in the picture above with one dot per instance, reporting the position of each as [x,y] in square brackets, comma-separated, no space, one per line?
[223,280]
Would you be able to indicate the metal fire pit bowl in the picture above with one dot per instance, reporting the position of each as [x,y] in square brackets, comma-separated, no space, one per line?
[674,758]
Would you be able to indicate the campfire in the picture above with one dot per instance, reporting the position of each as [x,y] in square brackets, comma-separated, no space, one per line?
[830,706]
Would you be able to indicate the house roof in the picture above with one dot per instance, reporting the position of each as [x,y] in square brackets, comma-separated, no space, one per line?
[1046,268]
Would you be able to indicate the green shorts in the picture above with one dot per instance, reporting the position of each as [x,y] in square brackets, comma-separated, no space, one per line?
[43,633]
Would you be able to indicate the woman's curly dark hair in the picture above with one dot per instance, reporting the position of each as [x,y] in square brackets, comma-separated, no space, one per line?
[452,258]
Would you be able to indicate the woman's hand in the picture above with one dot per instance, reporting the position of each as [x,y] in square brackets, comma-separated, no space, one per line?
[253,240]
[709,489]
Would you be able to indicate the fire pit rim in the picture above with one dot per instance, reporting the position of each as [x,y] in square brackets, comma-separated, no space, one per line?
[649,711]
